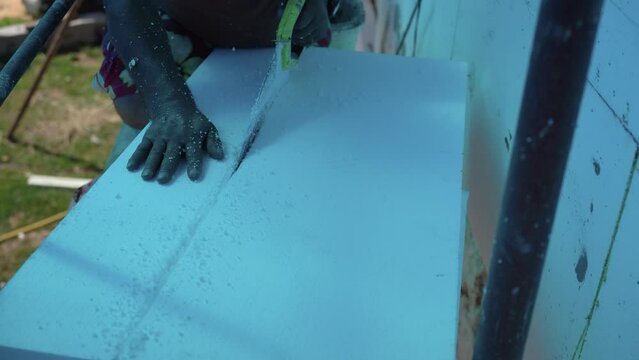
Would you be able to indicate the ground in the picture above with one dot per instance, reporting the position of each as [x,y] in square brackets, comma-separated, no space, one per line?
[12,9]
[67,131]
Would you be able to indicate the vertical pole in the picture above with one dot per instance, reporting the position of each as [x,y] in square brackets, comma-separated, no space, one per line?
[22,58]
[560,58]
[56,41]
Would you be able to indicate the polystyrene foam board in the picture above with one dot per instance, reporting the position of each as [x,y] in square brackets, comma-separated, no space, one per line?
[590,200]
[338,237]
[77,294]
[303,257]
[613,71]
[615,322]
[496,38]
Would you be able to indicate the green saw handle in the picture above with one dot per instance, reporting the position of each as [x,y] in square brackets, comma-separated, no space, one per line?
[285,30]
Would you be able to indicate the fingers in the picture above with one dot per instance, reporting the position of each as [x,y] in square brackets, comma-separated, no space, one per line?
[160,154]
[170,162]
[154,159]
[194,160]
[312,24]
[303,21]
[214,145]
[140,154]
[303,35]
[310,36]
[194,154]
[318,35]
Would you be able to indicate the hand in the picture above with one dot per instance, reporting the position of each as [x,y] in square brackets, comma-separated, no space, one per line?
[313,24]
[184,131]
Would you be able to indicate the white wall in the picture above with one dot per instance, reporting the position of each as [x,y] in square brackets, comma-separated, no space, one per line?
[578,314]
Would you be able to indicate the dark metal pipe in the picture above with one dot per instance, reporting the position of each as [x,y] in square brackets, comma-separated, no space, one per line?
[22,58]
[559,63]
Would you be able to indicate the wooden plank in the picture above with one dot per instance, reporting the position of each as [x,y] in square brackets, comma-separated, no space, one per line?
[56,181]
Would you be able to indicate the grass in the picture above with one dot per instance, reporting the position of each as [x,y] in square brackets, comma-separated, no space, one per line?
[68,131]
[11,21]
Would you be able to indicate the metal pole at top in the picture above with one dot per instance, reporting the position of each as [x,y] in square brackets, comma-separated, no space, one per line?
[24,55]
[559,63]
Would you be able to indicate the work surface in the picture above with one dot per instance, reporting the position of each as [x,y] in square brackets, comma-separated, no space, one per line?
[337,238]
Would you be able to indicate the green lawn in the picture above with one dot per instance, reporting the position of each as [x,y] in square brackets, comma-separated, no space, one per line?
[68,131]
[11,21]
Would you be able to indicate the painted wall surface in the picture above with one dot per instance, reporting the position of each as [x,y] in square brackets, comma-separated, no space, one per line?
[588,305]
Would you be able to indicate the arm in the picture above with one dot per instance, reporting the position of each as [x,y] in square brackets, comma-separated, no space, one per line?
[177,126]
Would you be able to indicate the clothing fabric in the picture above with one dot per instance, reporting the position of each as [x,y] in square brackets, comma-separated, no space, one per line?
[188,51]
[229,23]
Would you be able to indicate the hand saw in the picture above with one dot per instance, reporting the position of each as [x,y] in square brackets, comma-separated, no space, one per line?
[283,62]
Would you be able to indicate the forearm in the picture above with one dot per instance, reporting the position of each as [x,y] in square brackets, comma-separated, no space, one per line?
[178,129]
[136,32]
